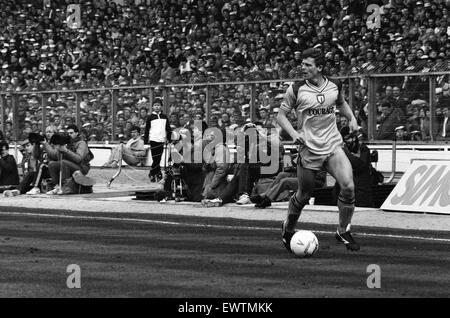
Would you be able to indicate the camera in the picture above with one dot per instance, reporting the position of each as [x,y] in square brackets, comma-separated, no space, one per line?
[175,171]
[60,139]
[35,138]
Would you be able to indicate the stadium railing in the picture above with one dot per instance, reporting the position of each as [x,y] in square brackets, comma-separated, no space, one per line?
[24,111]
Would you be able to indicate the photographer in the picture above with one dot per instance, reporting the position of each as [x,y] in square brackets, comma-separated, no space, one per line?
[187,173]
[285,181]
[216,167]
[67,154]
[31,164]
[247,173]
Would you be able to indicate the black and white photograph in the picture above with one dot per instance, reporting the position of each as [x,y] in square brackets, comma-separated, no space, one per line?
[225,156]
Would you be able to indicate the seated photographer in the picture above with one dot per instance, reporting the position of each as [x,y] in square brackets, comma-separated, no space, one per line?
[285,181]
[216,167]
[192,172]
[133,151]
[9,175]
[185,168]
[67,154]
[359,155]
[43,176]
[33,169]
[247,173]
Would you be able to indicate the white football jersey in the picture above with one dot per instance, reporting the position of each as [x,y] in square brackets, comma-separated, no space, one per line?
[315,107]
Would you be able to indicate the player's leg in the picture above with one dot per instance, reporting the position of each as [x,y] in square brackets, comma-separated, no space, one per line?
[301,198]
[298,202]
[340,168]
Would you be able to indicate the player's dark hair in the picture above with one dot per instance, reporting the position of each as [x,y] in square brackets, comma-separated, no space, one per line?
[316,54]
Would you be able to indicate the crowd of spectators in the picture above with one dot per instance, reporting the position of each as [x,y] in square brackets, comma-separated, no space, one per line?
[155,42]
[133,108]
[205,41]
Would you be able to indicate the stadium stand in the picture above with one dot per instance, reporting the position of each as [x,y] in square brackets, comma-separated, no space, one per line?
[179,42]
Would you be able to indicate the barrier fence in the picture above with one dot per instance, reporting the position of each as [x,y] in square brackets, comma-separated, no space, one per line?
[107,114]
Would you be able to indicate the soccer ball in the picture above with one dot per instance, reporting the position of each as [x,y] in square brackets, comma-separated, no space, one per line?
[304,244]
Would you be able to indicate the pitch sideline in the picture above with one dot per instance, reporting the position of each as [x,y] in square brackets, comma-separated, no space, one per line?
[204,225]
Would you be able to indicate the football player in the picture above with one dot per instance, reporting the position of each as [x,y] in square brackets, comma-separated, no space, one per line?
[315,100]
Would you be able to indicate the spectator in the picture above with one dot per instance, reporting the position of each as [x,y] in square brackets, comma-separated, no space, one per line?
[264,118]
[124,54]
[398,100]
[444,125]
[9,175]
[389,120]
[157,132]
[133,153]
[425,124]
[49,132]
[402,134]
[413,122]
[224,122]
[174,121]
[129,45]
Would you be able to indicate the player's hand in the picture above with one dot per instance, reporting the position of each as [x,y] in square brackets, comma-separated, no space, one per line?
[353,125]
[298,139]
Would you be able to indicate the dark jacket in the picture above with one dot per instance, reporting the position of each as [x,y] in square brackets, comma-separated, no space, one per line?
[8,171]
[157,128]
[362,177]
[216,172]
[77,152]
[387,126]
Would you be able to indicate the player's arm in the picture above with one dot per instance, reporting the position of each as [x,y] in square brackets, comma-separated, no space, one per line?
[287,105]
[344,109]
[285,124]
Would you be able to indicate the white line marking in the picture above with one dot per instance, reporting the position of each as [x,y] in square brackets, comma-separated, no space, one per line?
[254,228]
